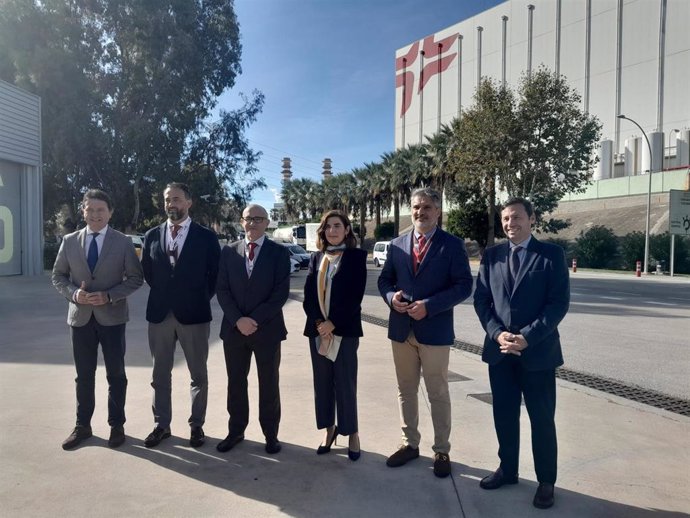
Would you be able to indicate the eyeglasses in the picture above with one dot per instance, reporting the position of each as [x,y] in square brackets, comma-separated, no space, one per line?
[257,219]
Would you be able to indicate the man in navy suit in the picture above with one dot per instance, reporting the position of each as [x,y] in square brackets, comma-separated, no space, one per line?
[180,261]
[522,294]
[253,286]
[426,274]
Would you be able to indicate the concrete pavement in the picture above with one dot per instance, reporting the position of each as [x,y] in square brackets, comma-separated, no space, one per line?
[617,458]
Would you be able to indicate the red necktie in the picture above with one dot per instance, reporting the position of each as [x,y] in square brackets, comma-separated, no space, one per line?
[419,253]
[175,229]
[252,246]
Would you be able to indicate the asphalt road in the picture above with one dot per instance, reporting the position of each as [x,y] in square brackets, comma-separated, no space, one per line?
[634,330]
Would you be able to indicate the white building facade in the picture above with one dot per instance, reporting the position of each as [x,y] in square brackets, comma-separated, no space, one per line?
[628,57]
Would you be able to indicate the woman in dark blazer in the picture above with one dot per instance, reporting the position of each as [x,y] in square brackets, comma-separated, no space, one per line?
[333,295]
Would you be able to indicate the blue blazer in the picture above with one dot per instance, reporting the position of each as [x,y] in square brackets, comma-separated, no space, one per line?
[186,289]
[443,280]
[347,292]
[538,302]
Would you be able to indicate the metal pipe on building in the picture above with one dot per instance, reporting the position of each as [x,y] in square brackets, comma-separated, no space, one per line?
[530,15]
[558,37]
[460,56]
[588,54]
[619,59]
[504,50]
[438,115]
[479,55]
[404,96]
[421,96]
[660,73]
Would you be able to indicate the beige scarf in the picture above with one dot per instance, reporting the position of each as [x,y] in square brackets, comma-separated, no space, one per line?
[327,269]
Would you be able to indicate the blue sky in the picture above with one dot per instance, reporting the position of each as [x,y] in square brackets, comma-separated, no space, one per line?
[326,68]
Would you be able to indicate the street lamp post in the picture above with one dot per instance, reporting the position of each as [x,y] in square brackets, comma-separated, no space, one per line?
[649,194]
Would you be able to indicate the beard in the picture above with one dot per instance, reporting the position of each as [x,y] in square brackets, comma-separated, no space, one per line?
[176,214]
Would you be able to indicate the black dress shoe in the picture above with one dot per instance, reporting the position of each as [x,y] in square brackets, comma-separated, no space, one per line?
[325,448]
[401,457]
[543,498]
[117,436]
[197,438]
[155,437]
[229,443]
[441,465]
[497,479]
[79,434]
[273,446]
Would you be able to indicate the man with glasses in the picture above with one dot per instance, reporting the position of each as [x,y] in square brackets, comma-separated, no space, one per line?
[253,285]
[180,261]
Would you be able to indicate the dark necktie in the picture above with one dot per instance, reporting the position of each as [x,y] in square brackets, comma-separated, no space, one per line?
[419,252]
[175,229]
[252,246]
[173,233]
[514,264]
[92,255]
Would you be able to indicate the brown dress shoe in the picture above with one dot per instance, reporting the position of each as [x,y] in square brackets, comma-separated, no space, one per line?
[401,457]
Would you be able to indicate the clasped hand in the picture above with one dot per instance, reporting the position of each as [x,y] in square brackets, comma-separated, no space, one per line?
[416,309]
[511,343]
[94,298]
[325,330]
[247,325]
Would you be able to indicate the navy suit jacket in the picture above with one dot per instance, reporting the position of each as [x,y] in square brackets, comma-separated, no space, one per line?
[538,302]
[347,291]
[187,288]
[261,296]
[443,280]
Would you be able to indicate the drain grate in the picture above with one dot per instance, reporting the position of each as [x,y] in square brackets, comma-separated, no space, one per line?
[616,388]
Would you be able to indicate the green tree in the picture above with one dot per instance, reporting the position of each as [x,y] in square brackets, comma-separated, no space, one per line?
[596,248]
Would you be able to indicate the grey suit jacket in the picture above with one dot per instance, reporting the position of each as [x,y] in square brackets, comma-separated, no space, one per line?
[118,272]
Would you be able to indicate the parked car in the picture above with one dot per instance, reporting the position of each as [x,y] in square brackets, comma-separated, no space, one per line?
[138,243]
[299,254]
[381,252]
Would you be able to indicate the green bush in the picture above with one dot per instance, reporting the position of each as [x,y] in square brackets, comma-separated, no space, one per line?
[660,251]
[564,244]
[384,231]
[50,250]
[631,249]
[596,248]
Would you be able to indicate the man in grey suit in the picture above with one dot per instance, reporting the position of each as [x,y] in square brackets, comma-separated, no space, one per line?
[96,269]
[253,285]
[522,294]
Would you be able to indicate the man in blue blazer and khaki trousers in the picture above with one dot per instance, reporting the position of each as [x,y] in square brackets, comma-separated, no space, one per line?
[426,274]
[522,294]
[180,261]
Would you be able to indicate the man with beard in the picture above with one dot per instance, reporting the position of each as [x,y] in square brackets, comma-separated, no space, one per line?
[180,261]
[427,273]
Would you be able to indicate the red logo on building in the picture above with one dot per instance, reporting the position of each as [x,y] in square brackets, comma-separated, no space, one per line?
[437,60]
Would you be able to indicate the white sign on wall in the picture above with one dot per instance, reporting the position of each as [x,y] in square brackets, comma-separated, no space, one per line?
[679,212]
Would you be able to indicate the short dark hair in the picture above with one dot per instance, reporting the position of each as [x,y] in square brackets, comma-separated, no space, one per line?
[181,186]
[321,241]
[515,200]
[97,194]
[427,192]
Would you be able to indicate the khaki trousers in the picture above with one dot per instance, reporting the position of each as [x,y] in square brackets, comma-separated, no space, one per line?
[413,359]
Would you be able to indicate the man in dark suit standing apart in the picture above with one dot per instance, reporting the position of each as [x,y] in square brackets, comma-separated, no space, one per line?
[426,274]
[253,286]
[522,294]
[96,269]
[180,260]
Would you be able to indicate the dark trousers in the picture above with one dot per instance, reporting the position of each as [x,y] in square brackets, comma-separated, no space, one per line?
[335,386]
[85,342]
[509,380]
[238,357]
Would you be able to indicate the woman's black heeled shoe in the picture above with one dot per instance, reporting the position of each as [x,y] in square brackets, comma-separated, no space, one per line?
[352,454]
[325,448]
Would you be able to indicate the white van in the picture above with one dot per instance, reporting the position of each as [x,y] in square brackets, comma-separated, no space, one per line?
[381,252]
